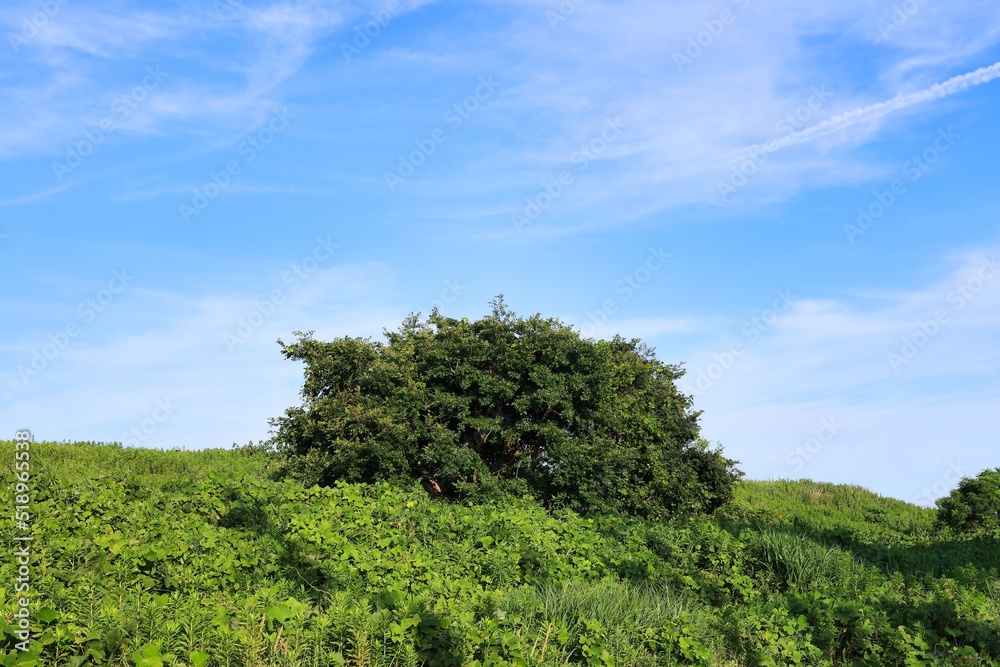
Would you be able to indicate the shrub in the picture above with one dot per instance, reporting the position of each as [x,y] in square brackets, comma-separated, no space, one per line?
[974,505]
[473,408]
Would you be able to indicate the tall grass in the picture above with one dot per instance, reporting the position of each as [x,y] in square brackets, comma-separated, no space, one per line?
[799,560]
[615,605]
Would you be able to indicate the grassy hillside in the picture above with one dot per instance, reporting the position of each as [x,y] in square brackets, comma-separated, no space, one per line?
[199,558]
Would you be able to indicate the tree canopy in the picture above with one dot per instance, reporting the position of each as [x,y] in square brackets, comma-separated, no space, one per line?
[974,505]
[503,403]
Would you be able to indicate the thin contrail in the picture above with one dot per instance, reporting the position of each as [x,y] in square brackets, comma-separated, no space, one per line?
[872,111]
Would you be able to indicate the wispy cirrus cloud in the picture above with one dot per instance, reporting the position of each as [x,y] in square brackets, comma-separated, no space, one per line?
[692,111]
[85,56]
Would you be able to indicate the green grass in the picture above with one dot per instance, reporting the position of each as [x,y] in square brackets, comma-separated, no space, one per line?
[148,558]
[823,505]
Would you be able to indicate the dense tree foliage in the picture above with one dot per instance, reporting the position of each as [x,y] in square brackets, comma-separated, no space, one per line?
[974,505]
[471,408]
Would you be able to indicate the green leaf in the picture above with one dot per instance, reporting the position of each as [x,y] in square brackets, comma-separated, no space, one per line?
[148,656]
[46,614]
[280,613]
[112,639]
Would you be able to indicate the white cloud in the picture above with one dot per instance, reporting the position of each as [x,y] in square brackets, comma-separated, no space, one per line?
[878,110]
[686,128]
[166,346]
[908,377]
[687,122]
[222,71]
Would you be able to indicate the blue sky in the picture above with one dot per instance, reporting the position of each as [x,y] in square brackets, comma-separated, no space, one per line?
[797,201]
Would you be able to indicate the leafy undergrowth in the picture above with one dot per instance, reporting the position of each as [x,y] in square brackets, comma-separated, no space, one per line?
[148,558]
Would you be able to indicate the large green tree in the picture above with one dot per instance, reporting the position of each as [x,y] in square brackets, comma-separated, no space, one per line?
[974,505]
[471,408]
